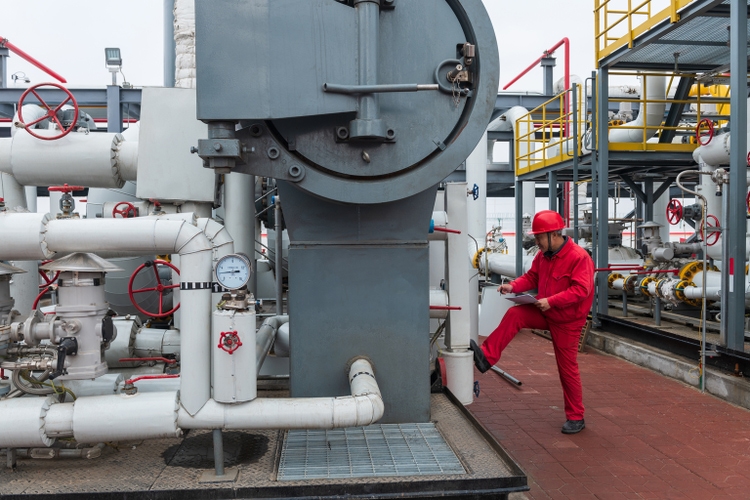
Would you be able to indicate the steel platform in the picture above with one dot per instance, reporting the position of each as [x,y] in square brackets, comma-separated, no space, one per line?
[173,468]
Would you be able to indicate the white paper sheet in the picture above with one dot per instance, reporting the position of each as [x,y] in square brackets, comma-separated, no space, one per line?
[523,298]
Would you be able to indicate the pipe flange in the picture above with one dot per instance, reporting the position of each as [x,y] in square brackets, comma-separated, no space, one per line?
[644,285]
[630,282]
[614,277]
[477,256]
[689,270]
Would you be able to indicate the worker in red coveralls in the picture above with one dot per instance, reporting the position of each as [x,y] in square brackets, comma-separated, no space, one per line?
[563,274]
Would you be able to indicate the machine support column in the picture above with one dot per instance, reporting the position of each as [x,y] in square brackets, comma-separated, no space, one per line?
[519,227]
[602,255]
[736,223]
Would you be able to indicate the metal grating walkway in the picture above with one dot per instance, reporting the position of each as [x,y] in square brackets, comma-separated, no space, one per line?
[377,450]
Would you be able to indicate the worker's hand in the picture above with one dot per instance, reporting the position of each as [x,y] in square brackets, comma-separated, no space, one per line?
[543,305]
[505,288]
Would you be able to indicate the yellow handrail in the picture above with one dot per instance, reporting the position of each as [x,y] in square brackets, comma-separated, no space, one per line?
[618,22]
[544,136]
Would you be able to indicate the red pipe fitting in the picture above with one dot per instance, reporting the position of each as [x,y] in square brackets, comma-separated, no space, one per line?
[446,230]
[133,380]
[5,43]
[446,308]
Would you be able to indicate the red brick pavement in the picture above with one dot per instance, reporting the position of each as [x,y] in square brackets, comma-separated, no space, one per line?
[646,436]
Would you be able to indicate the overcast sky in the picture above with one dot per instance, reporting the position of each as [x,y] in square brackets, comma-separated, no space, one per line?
[69,36]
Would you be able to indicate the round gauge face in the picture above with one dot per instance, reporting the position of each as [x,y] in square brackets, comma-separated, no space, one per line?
[233,271]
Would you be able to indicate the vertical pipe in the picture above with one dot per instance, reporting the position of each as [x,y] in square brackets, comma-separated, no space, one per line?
[367,17]
[624,304]
[218,453]
[3,68]
[170,57]
[519,226]
[552,190]
[736,224]
[657,310]
[278,258]
[602,256]
[574,98]
[725,276]
[239,210]
[255,237]
[114,113]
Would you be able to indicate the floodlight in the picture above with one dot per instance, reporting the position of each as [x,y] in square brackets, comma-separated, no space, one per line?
[112,55]
[113,62]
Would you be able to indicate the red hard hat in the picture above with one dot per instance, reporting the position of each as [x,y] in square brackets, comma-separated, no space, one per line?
[546,221]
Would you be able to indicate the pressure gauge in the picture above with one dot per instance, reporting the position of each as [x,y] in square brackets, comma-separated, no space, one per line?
[233,271]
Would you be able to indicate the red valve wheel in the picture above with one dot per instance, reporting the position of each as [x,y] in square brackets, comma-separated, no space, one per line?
[48,279]
[674,211]
[748,158]
[128,210]
[65,188]
[50,114]
[747,201]
[713,236]
[161,288]
[229,342]
[703,125]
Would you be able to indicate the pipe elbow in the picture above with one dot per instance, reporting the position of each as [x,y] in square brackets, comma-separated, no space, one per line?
[190,239]
[217,234]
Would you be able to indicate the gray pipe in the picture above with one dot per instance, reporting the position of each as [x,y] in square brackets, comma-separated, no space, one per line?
[170,56]
[278,257]
[265,337]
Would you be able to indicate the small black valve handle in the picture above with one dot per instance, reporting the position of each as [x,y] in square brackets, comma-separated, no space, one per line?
[68,347]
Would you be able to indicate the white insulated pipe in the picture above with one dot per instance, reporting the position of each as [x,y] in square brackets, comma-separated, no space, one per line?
[95,160]
[652,116]
[265,338]
[363,407]
[504,264]
[139,236]
[438,298]
[27,416]
[151,415]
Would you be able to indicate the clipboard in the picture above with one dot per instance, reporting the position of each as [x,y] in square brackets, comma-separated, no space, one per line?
[523,298]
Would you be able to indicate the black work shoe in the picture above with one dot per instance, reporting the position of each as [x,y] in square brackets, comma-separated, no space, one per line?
[479,360]
[573,426]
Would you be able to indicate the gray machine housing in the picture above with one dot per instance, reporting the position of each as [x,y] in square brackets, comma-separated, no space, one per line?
[360,108]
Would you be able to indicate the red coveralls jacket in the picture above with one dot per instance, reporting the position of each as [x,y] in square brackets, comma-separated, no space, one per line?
[566,280]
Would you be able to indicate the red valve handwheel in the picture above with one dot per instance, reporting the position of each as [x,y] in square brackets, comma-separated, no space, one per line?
[48,280]
[747,201]
[674,211]
[65,188]
[50,114]
[128,210]
[229,342]
[713,236]
[704,124]
[158,288]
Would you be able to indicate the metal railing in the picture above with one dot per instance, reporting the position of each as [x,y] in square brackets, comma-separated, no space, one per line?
[550,133]
[695,110]
[619,22]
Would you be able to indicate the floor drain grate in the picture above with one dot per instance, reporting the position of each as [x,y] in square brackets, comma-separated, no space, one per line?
[377,450]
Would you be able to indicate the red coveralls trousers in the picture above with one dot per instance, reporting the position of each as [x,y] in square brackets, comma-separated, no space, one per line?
[565,339]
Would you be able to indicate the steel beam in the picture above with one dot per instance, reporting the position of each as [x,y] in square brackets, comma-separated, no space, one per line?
[602,255]
[737,221]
